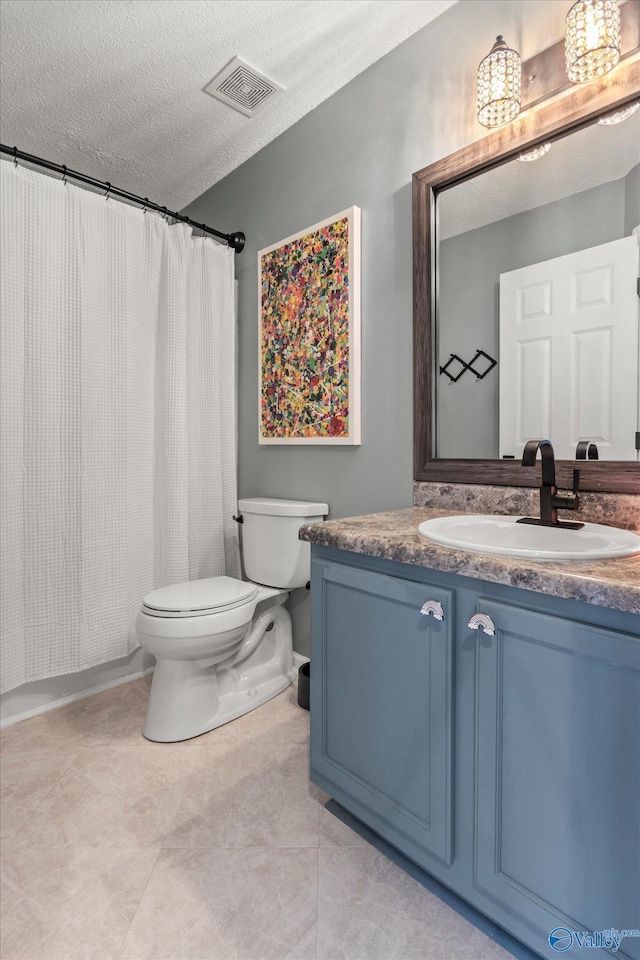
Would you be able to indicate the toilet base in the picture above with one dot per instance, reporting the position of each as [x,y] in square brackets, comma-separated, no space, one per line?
[191,697]
[170,729]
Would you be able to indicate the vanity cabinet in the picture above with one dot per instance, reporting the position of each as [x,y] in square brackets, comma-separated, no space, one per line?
[385,721]
[557,741]
[505,765]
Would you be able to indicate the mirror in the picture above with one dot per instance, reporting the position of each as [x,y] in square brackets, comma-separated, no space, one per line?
[526,307]
[536,266]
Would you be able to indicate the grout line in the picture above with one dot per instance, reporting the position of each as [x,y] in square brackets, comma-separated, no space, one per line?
[197,752]
[135,912]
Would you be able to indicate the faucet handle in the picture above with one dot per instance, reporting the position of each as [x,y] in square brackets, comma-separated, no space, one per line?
[576,482]
[571,501]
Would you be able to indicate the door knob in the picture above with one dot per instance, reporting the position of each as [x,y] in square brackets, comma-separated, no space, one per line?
[432,608]
[480,621]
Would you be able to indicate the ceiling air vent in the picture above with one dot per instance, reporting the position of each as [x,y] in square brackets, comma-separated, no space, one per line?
[243,88]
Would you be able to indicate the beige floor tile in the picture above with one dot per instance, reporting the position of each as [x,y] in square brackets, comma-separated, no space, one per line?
[227,905]
[27,776]
[234,810]
[334,833]
[113,797]
[115,716]
[70,904]
[287,703]
[370,909]
[37,731]
[277,720]
[250,792]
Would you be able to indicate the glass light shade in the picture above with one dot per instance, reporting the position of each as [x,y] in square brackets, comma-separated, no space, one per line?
[499,85]
[619,115]
[536,153]
[592,39]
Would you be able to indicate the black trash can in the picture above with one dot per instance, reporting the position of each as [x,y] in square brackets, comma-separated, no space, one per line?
[303,685]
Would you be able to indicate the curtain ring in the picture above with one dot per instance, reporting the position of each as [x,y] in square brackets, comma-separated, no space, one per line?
[203,227]
[164,215]
[15,157]
[108,190]
[64,174]
[146,201]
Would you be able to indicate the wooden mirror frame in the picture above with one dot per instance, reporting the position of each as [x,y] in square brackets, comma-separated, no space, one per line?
[555,119]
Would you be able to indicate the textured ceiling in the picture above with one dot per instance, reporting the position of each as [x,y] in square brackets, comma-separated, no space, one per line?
[592,156]
[596,155]
[113,88]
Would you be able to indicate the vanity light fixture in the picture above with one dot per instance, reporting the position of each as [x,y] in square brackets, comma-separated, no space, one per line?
[617,116]
[592,39]
[535,153]
[499,85]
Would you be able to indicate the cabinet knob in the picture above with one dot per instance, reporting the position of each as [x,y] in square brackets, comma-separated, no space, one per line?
[482,621]
[433,608]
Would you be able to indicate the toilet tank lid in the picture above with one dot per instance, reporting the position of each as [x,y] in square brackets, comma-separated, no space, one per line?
[283,508]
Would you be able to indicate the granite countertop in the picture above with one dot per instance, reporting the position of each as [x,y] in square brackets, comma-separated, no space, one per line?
[394,535]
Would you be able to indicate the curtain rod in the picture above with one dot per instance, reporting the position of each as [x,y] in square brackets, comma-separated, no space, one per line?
[235,240]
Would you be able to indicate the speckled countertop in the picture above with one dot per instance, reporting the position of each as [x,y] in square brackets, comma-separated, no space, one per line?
[394,535]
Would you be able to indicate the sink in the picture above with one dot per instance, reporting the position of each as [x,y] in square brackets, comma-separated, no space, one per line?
[505,537]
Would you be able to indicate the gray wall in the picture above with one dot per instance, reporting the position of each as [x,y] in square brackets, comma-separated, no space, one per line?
[469,299]
[632,194]
[361,146]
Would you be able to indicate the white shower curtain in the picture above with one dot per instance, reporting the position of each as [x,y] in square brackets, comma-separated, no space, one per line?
[117,420]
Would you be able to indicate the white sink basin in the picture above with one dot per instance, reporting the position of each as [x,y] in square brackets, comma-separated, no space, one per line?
[504,537]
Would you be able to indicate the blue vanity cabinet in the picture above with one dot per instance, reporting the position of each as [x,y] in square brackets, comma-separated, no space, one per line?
[557,832]
[505,765]
[382,693]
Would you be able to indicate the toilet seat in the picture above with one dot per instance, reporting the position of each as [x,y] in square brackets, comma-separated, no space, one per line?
[199,598]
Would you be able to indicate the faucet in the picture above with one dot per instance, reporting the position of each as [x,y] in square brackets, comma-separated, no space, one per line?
[550,501]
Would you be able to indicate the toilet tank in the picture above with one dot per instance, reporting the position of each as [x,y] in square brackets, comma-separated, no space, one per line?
[271,551]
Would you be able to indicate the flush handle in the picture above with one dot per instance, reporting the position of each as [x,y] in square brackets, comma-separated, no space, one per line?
[432,608]
[480,621]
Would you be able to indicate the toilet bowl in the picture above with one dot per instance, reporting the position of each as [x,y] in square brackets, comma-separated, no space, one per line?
[224,646]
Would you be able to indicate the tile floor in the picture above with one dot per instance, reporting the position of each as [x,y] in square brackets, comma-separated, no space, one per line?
[114,848]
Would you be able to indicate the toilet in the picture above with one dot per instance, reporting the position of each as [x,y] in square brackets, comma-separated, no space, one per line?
[223,646]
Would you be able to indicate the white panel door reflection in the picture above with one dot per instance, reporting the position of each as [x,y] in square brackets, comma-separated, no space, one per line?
[570,352]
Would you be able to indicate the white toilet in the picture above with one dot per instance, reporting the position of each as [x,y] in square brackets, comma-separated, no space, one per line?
[223,646]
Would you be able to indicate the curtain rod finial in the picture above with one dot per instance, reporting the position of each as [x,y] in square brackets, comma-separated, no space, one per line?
[236,241]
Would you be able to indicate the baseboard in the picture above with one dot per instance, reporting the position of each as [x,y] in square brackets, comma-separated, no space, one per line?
[298,660]
[72,697]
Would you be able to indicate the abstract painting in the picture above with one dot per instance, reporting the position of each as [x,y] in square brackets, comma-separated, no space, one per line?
[309,351]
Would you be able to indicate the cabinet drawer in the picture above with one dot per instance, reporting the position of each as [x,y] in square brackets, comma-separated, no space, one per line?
[381,703]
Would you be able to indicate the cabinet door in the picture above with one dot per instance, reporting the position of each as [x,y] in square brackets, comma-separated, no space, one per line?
[381,704]
[557,834]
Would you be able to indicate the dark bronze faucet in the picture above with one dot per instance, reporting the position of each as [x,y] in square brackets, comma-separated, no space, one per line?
[550,501]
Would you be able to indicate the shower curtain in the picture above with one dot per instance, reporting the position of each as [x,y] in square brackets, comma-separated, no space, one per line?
[117,420]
